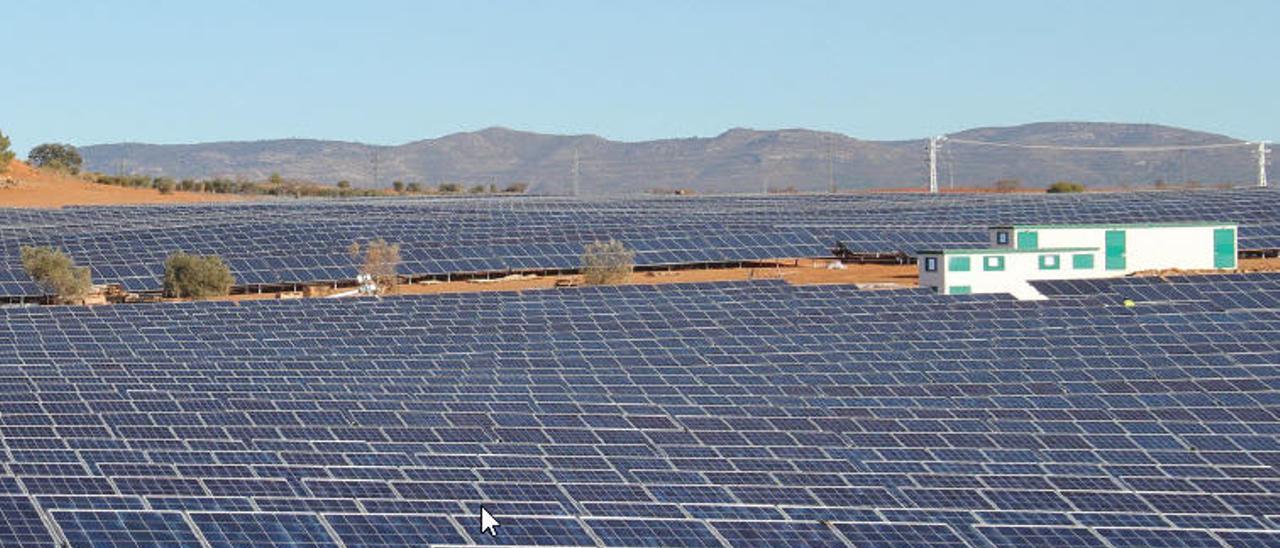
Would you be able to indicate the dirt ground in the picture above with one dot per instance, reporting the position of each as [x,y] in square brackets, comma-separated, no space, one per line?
[798,272]
[40,188]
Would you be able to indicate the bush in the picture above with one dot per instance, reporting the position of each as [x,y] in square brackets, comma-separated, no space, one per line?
[381,260]
[414,188]
[344,185]
[6,155]
[516,188]
[165,185]
[196,276]
[56,273]
[478,189]
[606,262]
[398,186]
[56,156]
[1007,185]
[450,187]
[1065,187]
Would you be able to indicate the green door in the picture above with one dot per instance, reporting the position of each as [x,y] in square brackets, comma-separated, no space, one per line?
[1115,250]
[1028,240]
[1224,248]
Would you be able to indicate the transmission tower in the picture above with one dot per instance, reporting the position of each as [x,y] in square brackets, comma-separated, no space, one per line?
[831,165]
[932,149]
[375,168]
[1262,164]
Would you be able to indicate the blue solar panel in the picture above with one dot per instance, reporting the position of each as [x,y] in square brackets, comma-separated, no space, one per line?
[261,529]
[1040,536]
[900,535]
[20,524]
[762,411]
[777,533]
[125,528]
[394,530]
[653,532]
[1158,538]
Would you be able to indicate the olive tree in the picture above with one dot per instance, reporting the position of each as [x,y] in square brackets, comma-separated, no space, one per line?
[196,276]
[607,262]
[56,273]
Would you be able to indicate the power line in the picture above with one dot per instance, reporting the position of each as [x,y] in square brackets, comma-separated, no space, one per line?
[1169,148]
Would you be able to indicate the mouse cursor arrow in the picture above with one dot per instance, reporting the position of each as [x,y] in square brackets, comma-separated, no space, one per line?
[487,523]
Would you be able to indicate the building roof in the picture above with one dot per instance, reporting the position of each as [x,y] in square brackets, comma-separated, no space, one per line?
[1002,250]
[1182,224]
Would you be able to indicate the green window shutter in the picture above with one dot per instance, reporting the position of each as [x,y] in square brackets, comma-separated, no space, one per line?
[1083,261]
[1049,262]
[959,290]
[1028,240]
[993,263]
[1224,248]
[958,264]
[1115,250]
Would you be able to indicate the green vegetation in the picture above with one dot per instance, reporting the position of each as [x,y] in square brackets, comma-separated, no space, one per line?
[607,262]
[381,260]
[56,156]
[277,185]
[54,271]
[1065,187]
[196,276]
[6,155]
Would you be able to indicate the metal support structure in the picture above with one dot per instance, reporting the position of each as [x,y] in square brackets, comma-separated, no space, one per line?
[1262,164]
[932,148]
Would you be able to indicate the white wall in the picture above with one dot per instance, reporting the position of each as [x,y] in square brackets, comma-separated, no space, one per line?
[1146,248]
[1019,268]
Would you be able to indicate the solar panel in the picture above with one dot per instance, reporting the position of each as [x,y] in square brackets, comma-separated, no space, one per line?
[745,412]
[394,530]
[653,532]
[290,242]
[261,529]
[124,528]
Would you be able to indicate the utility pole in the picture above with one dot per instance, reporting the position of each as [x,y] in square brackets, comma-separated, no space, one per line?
[375,168]
[576,171]
[1262,164]
[932,149]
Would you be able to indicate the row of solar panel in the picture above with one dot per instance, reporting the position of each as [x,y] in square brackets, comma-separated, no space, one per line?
[459,236]
[160,528]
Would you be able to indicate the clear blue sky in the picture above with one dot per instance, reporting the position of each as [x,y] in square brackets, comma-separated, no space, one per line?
[390,72]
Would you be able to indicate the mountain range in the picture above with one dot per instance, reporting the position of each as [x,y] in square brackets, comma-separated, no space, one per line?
[738,160]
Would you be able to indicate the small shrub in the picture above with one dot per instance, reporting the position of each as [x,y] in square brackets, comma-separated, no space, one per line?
[450,187]
[196,276]
[344,184]
[56,273]
[398,186]
[414,188]
[478,189]
[381,260]
[165,185]
[1065,187]
[516,188]
[606,262]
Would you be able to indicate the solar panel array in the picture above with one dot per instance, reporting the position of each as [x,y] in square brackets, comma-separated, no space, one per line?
[747,413]
[307,241]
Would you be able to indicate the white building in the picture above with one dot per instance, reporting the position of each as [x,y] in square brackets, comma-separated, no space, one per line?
[1024,253]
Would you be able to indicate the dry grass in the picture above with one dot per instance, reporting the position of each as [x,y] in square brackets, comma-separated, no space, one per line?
[45,188]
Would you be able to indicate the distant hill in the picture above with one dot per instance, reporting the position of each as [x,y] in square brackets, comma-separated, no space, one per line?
[738,160]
